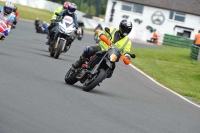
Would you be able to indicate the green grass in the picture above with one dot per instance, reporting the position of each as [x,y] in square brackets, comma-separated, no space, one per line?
[32,13]
[171,67]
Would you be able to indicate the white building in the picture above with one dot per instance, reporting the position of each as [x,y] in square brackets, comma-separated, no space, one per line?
[175,17]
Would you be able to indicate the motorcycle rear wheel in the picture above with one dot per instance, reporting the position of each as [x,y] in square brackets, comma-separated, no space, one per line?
[70,77]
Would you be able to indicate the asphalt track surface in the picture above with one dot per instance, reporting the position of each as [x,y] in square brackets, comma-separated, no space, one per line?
[35,99]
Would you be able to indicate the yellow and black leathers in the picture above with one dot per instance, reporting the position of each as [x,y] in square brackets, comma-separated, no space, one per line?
[122,43]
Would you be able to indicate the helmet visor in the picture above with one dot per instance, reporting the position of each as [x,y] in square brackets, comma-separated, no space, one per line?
[71,9]
[7,10]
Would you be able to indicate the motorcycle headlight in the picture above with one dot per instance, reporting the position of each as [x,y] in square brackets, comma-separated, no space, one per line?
[113,57]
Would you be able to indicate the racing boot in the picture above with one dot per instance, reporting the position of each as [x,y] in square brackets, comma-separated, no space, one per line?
[79,62]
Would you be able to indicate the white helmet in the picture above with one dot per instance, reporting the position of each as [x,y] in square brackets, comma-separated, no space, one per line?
[8,7]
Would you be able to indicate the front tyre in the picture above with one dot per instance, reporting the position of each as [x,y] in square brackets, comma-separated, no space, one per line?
[79,38]
[70,77]
[88,86]
[58,50]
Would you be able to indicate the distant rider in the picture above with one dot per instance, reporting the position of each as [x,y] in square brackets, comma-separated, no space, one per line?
[66,12]
[7,16]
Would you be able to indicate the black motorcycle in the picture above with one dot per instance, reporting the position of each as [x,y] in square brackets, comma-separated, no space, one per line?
[96,69]
[80,30]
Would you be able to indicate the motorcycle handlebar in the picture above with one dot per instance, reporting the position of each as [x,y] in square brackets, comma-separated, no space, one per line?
[132,55]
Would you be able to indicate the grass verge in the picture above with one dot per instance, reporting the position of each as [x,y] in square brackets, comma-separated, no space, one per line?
[171,67]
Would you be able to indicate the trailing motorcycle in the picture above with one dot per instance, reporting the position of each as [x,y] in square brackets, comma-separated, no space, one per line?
[95,69]
[79,33]
[62,38]
[80,30]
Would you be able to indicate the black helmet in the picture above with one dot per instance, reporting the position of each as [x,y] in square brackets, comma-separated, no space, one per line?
[125,27]
[14,9]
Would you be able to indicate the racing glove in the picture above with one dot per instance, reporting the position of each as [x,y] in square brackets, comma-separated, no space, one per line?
[105,39]
[126,59]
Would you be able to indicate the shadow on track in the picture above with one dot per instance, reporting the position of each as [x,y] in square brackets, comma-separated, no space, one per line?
[96,92]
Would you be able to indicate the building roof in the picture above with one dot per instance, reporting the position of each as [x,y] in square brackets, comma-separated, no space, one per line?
[186,6]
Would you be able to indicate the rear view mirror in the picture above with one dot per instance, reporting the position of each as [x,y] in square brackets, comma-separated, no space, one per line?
[132,55]
[107,30]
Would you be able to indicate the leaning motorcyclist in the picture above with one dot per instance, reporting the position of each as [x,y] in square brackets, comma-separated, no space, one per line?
[58,10]
[7,16]
[66,12]
[119,38]
[37,22]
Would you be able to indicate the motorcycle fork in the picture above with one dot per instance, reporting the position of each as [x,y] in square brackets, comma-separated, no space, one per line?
[64,43]
[94,70]
[57,42]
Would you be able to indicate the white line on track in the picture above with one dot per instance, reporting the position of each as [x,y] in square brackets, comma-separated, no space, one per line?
[165,87]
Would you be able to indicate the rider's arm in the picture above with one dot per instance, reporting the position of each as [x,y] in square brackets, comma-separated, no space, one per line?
[126,57]
[127,49]
[75,19]
[102,32]
[58,10]
[63,12]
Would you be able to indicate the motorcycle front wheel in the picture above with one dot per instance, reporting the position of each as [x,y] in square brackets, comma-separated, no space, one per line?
[90,84]
[58,50]
[79,38]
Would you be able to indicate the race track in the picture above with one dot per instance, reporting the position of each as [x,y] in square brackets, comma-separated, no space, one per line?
[35,99]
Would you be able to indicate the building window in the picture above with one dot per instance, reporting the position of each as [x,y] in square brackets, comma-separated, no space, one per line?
[138,8]
[133,8]
[177,16]
[127,7]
